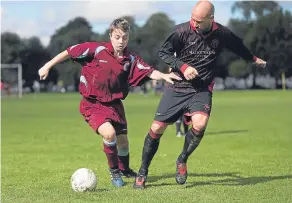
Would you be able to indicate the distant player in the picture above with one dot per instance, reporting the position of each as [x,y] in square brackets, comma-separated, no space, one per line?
[180,122]
[197,44]
[5,86]
[108,70]
[158,88]
[2,85]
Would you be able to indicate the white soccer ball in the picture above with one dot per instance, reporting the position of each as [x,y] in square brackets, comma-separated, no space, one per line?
[83,180]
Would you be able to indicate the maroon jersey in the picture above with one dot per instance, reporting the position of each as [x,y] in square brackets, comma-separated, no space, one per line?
[104,77]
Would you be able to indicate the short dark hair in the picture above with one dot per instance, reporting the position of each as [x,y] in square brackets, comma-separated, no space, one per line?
[120,23]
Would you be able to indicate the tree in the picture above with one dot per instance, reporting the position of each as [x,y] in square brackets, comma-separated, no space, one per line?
[271,39]
[255,29]
[11,48]
[238,68]
[257,8]
[239,28]
[76,31]
[134,41]
[33,57]
[152,35]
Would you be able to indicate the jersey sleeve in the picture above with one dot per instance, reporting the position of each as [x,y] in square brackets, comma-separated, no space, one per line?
[169,47]
[235,44]
[82,51]
[139,72]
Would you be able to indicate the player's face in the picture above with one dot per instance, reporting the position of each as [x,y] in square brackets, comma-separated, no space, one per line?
[119,39]
[202,24]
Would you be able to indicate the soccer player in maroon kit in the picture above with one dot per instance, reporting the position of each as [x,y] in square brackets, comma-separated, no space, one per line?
[108,70]
[197,44]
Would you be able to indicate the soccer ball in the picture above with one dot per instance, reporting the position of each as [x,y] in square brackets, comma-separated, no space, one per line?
[83,180]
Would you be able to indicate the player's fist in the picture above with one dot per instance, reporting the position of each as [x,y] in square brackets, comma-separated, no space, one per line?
[190,73]
[260,63]
[43,72]
[170,77]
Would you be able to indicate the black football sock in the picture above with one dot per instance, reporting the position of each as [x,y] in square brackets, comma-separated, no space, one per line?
[192,141]
[150,148]
[123,161]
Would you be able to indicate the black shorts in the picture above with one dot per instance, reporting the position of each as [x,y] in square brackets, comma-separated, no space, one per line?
[174,104]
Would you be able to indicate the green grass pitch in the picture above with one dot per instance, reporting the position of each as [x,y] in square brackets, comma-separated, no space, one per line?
[245,156]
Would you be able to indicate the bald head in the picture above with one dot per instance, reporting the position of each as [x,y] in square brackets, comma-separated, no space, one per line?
[203,9]
[203,16]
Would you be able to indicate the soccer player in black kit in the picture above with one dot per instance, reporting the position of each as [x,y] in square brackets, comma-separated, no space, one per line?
[197,44]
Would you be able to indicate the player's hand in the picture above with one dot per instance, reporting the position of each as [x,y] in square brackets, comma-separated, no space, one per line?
[260,63]
[170,77]
[44,72]
[190,73]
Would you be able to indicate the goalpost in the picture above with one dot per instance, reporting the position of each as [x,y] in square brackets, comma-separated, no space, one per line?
[11,75]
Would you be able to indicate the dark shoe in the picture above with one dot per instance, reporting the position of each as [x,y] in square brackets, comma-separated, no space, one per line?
[140,179]
[116,178]
[128,173]
[181,173]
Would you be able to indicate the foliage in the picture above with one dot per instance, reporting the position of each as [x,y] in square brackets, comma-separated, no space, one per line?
[264,27]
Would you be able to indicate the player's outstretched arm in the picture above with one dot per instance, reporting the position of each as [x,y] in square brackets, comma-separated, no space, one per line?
[157,75]
[236,45]
[44,71]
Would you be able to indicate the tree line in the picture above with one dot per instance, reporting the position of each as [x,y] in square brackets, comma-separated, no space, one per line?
[265,28]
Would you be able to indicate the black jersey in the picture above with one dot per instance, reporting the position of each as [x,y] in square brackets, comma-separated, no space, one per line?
[186,47]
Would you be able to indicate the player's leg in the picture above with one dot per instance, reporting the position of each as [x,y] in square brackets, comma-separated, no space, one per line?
[122,139]
[107,131]
[151,144]
[168,111]
[185,126]
[124,156]
[178,127]
[99,117]
[199,110]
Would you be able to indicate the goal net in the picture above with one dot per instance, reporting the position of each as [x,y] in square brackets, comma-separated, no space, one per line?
[11,80]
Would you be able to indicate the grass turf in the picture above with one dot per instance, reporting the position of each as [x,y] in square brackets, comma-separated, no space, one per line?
[245,155]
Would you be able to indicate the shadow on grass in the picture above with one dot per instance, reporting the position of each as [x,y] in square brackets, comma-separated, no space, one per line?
[101,190]
[233,179]
[227,132]
[172,175]
[241,181]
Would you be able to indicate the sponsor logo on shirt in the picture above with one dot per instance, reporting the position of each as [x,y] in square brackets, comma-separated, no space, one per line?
[215,43]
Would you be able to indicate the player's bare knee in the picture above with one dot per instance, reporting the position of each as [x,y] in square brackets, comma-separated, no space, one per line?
[108,132]
[200,126]
[199,122]
[110,136]
[158,128]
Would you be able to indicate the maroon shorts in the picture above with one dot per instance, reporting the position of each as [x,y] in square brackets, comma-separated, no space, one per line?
[96,113]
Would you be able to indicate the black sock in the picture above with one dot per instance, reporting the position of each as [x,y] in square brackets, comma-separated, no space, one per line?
[151,144]
[192,141]
[124,162]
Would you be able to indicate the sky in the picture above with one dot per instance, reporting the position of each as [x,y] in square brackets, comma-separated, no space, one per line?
[42,18]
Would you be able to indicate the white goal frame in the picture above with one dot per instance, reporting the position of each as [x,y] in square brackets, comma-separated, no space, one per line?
[19,76]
